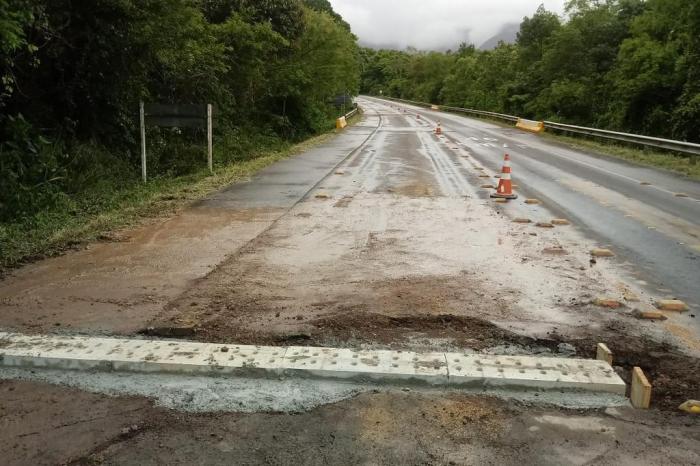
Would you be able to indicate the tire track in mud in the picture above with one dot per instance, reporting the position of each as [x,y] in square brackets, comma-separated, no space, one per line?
[246,246]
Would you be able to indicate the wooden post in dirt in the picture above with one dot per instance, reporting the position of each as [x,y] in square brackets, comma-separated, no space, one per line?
[142,115]
[209,139]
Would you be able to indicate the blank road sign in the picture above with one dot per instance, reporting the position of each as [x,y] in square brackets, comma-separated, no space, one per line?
[177,115]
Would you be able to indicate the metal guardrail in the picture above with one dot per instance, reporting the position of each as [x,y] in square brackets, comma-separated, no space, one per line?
[689,148]
[669,144]
[351,113]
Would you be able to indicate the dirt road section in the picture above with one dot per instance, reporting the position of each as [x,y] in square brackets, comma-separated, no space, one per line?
[46,425]
[400,248]
[117,287]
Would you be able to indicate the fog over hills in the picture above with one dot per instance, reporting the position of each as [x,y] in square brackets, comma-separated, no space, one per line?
[507,34]
[438,24]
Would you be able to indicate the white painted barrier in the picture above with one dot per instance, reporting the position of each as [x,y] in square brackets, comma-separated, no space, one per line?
[456,369]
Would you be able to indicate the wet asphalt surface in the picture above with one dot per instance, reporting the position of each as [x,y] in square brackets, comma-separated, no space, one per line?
[648,226]
[42,423]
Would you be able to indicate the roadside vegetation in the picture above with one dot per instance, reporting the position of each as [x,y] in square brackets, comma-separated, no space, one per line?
[72,75]
[625,65]
[97,213]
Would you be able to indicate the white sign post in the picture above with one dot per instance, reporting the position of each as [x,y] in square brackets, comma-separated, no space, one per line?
[177,116]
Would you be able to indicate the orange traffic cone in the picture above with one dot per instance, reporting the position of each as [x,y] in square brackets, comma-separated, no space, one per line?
[438,129]
[505,185]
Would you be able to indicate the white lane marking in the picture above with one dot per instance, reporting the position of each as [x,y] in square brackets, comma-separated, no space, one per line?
[629,178]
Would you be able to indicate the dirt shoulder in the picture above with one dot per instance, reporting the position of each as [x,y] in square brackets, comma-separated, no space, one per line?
[119,284]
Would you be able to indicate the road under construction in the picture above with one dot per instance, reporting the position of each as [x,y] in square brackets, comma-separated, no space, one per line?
[403,293]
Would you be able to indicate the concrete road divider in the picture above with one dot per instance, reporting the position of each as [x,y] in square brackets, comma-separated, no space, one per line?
[180,357]
[341,123]
[530,125]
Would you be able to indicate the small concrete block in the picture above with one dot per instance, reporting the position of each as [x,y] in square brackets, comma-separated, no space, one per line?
[522,220]
[603,353]
[681,195]
[599,252]
[649,315]
[501,200]
[608,302]
[544,225]
[645,183]
[640,394]
[339,172]
[560,222]
[488,186]
[672,305]
[322,195]
[532,201]
[484,176]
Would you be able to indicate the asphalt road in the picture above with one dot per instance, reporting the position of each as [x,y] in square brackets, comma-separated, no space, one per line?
[647,225]
[378,238]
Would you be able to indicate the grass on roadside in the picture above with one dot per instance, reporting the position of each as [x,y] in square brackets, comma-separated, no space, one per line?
[108,208]
[654,158]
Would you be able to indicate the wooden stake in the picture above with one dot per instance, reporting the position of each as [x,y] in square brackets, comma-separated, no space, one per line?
[640,394]
[603,353]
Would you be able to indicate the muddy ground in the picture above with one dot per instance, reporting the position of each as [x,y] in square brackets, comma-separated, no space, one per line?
[399,248]
[44,424]
[367,262]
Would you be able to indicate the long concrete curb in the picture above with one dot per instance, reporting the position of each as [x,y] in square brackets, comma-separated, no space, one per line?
[448,369]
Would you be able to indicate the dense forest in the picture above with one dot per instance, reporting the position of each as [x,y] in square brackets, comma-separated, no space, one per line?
[72,73]
[630,65]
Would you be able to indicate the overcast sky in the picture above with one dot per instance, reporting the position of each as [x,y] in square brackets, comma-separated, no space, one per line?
[434,24]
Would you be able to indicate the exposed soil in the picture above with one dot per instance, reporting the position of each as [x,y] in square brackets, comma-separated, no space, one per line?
[48,425]
[673,374]
[401,251]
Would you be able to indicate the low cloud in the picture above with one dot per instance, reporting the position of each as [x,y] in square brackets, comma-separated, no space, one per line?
[434,24]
